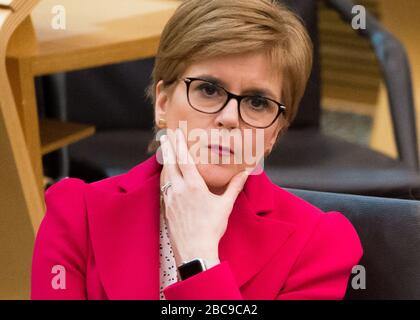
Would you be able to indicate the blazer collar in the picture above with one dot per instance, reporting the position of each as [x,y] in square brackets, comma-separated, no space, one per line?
[124,229]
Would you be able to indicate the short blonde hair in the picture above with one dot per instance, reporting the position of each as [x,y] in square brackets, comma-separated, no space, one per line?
[202,29]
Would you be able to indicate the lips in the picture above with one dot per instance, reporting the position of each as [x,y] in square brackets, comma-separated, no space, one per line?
[220,149]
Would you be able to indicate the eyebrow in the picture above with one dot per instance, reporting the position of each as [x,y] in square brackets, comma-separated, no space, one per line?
[250,91]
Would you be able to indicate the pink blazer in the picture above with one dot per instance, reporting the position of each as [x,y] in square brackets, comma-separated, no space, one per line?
[104,235]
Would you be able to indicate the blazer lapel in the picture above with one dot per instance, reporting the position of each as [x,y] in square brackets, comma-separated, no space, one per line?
[250,239]
[124,229]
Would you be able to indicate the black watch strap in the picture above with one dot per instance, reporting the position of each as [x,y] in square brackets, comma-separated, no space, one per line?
[190,268]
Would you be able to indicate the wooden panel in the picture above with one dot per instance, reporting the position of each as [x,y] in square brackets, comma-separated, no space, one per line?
[336,98]
[349,67]
[348,63]
[57,134]
[351,80]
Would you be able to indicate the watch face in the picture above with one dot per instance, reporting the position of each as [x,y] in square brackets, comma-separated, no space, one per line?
[189,269]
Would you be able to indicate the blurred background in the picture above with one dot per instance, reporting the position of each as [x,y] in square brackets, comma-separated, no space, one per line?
[79,94]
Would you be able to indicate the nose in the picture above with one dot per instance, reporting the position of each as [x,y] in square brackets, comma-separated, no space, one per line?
[229,116]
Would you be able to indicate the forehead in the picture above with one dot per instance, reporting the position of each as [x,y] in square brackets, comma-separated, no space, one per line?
[239,71]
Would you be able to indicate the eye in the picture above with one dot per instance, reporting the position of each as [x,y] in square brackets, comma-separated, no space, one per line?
[209,89]
[257,103]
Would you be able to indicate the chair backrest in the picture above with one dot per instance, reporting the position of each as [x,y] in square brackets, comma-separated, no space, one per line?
[395,66]
[309,113]
[389,230]
[21,206]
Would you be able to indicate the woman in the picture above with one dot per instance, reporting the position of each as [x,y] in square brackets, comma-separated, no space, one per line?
[226,70]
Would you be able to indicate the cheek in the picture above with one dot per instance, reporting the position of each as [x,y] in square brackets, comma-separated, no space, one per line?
[269,137]
[177,111]
[180,110]
[262,139]
[271,134]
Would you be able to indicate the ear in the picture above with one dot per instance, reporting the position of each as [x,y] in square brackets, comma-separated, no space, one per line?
[161,101]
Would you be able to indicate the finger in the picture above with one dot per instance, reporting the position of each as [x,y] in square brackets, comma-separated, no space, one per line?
[173,143]
[235,186]
[169,161]
[185,161]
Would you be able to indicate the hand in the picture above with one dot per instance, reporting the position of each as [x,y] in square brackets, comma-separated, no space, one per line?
[196,217]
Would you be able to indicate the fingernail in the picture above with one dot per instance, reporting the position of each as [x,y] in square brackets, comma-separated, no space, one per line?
[163,138]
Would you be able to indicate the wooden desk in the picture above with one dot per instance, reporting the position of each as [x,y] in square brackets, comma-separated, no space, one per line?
[95,33]
[98,32]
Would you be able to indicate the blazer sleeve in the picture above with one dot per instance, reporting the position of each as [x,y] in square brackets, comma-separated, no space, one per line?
[324,266]
[60,250]
[321,271]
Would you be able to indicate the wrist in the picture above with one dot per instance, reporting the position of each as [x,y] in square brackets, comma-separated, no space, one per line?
[187,255]
[195,266]
[210,263]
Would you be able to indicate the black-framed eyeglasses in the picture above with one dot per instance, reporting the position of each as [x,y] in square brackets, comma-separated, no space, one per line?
[208,97]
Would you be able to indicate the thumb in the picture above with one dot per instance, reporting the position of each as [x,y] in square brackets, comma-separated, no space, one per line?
[235,186]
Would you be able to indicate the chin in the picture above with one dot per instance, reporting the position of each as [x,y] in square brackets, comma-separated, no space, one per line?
[216,176]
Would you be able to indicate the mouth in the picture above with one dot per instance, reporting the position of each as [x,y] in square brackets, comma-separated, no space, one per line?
[220,150]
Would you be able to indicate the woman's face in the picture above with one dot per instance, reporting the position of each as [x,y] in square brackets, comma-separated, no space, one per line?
[240,74]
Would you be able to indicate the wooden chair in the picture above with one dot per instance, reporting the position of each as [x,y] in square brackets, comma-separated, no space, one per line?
[20,203]
[30,48]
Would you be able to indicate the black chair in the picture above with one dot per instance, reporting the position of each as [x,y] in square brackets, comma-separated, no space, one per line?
[389,230]
[307,159]
[112,97]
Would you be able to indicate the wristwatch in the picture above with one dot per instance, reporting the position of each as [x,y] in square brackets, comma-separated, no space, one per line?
[189,268]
